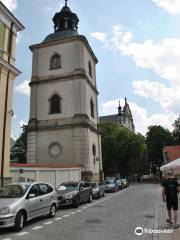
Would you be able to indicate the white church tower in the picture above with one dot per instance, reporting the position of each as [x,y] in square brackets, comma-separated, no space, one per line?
[63,126]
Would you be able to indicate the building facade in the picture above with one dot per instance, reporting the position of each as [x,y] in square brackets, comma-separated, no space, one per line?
[9,26]
[124,117]
[171,153]
[63,125]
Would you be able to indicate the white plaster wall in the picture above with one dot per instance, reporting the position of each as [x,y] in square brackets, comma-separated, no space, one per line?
[71,92]
[87,58]
[71,58]
[49,175]
[64,137]
[93,139]
[91,94]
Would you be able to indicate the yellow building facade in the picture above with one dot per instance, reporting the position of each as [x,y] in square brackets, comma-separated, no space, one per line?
[9,27]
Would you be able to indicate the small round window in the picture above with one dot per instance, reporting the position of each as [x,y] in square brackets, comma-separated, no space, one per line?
[55,150]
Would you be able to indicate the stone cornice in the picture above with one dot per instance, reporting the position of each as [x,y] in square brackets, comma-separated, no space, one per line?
[79,120]
[66,40]
[9,67]
[8,15]
[76,74]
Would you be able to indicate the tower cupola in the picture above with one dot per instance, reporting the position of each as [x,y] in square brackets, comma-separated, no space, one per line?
[65,20]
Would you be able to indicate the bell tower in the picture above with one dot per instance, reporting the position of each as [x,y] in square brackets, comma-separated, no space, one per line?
[63,124]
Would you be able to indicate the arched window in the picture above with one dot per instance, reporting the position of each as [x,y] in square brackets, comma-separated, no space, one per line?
[55,61]
[92,108]
[55,104]
[90,68]
[94,150]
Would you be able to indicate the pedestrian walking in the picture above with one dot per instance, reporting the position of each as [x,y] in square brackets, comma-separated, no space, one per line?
[170,189]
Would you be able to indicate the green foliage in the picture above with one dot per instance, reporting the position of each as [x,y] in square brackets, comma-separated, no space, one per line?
[122,150]
[156,138]
[176,131]
[19,148]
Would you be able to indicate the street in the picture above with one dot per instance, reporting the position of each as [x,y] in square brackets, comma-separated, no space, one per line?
[113,217]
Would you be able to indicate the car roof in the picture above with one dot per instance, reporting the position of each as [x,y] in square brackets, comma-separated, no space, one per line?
[28,183]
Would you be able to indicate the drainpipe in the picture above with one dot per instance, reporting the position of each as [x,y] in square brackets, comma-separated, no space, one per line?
[5,106]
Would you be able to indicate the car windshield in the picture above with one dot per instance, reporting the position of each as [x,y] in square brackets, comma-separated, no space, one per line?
[109,182]
[93,185]
[68,186]
[13,191]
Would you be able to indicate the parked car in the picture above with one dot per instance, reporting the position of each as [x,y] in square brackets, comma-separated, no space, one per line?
[21,202]
[97,189]
[125,183]
[74,193]
[110,185]
[120,185]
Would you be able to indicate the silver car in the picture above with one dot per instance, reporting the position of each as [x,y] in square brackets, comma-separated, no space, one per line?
[21,202]
[97,189]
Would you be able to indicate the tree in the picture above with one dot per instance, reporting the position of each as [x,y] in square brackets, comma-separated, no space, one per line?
[19,149]
[122,150]
[156,138]
[176,131]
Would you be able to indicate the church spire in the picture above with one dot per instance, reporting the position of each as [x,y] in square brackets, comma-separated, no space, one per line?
[125,101]
[65,20]
[119,109]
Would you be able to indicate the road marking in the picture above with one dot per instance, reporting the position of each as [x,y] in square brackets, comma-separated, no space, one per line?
[22,234]
[47,223]
[72,213]
[78,211]
[6,239]
[84,207]
[65,216]
[89,205]
[58,219]
[37,227]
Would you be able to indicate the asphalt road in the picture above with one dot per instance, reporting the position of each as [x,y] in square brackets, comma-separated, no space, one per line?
[113,217]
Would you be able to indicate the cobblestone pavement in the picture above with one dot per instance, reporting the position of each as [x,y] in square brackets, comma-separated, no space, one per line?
[114,217]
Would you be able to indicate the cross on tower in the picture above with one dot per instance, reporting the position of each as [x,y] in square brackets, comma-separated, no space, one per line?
[66,3]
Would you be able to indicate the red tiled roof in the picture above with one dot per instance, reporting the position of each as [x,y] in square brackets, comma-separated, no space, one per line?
[172,152]
[22,165]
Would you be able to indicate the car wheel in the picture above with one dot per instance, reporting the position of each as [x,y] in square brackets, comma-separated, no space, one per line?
[52,211]
[76,202]
[90,198]
[20,221]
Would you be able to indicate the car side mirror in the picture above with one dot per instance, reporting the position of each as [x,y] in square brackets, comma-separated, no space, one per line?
[31,195]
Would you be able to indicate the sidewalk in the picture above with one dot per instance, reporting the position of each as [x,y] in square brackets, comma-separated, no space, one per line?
[160,220]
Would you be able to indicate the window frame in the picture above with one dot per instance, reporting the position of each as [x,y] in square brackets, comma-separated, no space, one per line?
[55,56]
[60,104]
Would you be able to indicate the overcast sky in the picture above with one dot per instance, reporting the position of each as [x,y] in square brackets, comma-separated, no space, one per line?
[137,43]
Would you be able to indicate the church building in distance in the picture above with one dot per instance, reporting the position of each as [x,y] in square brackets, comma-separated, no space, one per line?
[63,125]
[122,119]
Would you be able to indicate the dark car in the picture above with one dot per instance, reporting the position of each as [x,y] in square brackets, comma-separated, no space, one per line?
[97,189]
[110,185]
[74,193]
